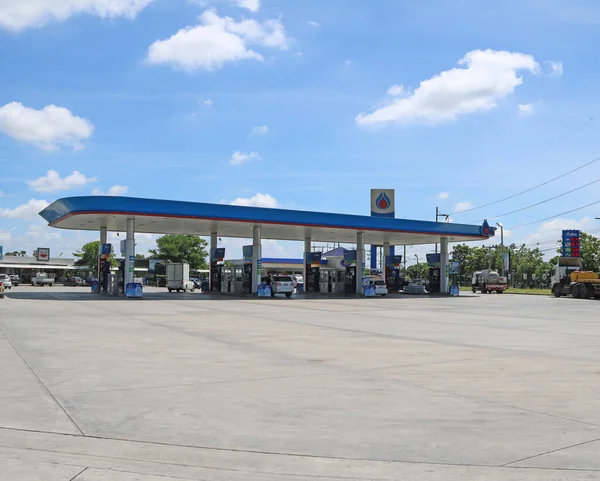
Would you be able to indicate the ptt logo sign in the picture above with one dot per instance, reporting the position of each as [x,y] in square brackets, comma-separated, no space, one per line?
[43,254]
[383,202]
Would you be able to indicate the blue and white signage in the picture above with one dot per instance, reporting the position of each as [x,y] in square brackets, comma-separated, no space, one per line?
[133,290]
[383,202]
[1,252]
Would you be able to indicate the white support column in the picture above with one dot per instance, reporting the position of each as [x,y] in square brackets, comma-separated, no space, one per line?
[256,258]
[213,245]
[386,252]
[129,251]
[360,260]
[443,263]
[305,272]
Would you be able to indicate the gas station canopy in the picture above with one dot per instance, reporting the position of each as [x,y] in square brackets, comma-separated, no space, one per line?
[177,217]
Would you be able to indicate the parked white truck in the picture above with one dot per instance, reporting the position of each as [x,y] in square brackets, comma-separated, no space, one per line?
[488,281]
[41,279]
[178,277]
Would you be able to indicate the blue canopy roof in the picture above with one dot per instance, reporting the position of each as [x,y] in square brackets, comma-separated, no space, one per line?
[167,216]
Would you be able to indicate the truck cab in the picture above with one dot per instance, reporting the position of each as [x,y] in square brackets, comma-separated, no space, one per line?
[561,275]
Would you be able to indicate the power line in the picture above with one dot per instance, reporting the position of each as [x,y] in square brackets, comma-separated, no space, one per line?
[544,201]
[557,215]
[528,190]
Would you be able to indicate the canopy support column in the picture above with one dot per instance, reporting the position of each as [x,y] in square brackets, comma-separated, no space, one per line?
[129,252]
[360,260]
[256,258]
[443,265]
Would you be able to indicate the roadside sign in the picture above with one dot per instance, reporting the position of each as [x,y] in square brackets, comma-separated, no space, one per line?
[1,248]
[570,243]
[533,277]
[454,268]
[105,251]
[525,277]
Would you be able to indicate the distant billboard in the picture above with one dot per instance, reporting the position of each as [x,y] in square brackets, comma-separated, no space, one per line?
[43,254]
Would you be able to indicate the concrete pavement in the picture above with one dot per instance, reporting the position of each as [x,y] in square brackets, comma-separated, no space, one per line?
[181,387]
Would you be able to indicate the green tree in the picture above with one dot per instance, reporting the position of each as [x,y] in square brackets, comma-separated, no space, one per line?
[182,248]
[89,254]
[418,271]
[589,247]
[140,257]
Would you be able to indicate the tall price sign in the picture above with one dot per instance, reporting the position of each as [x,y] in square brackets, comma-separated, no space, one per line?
[570,243]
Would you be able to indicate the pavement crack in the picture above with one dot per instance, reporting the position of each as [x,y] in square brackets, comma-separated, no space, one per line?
[78,474]
[549,452]
[42,384]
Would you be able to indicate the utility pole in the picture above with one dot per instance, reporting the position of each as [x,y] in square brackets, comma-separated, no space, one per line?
[502,245]
[438,214]
[405,260]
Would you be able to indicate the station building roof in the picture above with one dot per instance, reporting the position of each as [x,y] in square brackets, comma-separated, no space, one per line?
[177,217]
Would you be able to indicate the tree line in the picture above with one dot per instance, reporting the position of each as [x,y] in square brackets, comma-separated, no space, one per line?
[524,261]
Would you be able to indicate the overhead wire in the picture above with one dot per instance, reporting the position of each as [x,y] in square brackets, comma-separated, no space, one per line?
[555,216]
[527,190]
[543,201]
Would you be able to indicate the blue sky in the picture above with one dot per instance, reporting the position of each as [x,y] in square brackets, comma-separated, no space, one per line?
[309,104]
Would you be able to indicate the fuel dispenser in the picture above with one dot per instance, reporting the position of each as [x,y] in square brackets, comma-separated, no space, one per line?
[350,280]
[434,280]
[393,279]
[216,269]
[247,278]
[227,278]
[313,269]
[350,276]
[248,252]
[433,260]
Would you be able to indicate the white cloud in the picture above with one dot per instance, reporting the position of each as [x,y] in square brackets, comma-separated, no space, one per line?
[30,210]
[5,236]
[551,230]
[238,158]
[115,190]
[397,91]
[52,182]
[462,206]
[252,5]
[19,14]
[312,23]
[443,195]
[557,68]
[525,110]
[42,233]
[207,102]
[217,41]
[259,200]
[47,128]
[348,62]
[260,130]
[487,77]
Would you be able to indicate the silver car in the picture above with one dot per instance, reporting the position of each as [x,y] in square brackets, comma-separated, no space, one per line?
[282,285]
[6,282]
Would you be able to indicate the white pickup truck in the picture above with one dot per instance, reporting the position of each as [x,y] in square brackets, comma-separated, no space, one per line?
[41,279]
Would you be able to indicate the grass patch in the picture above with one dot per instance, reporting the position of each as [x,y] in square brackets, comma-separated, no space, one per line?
[533,292]
[511,290]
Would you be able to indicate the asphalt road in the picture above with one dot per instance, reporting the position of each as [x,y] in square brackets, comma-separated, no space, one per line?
[181,386]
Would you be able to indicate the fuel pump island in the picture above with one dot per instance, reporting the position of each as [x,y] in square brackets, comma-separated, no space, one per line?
[130,215]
